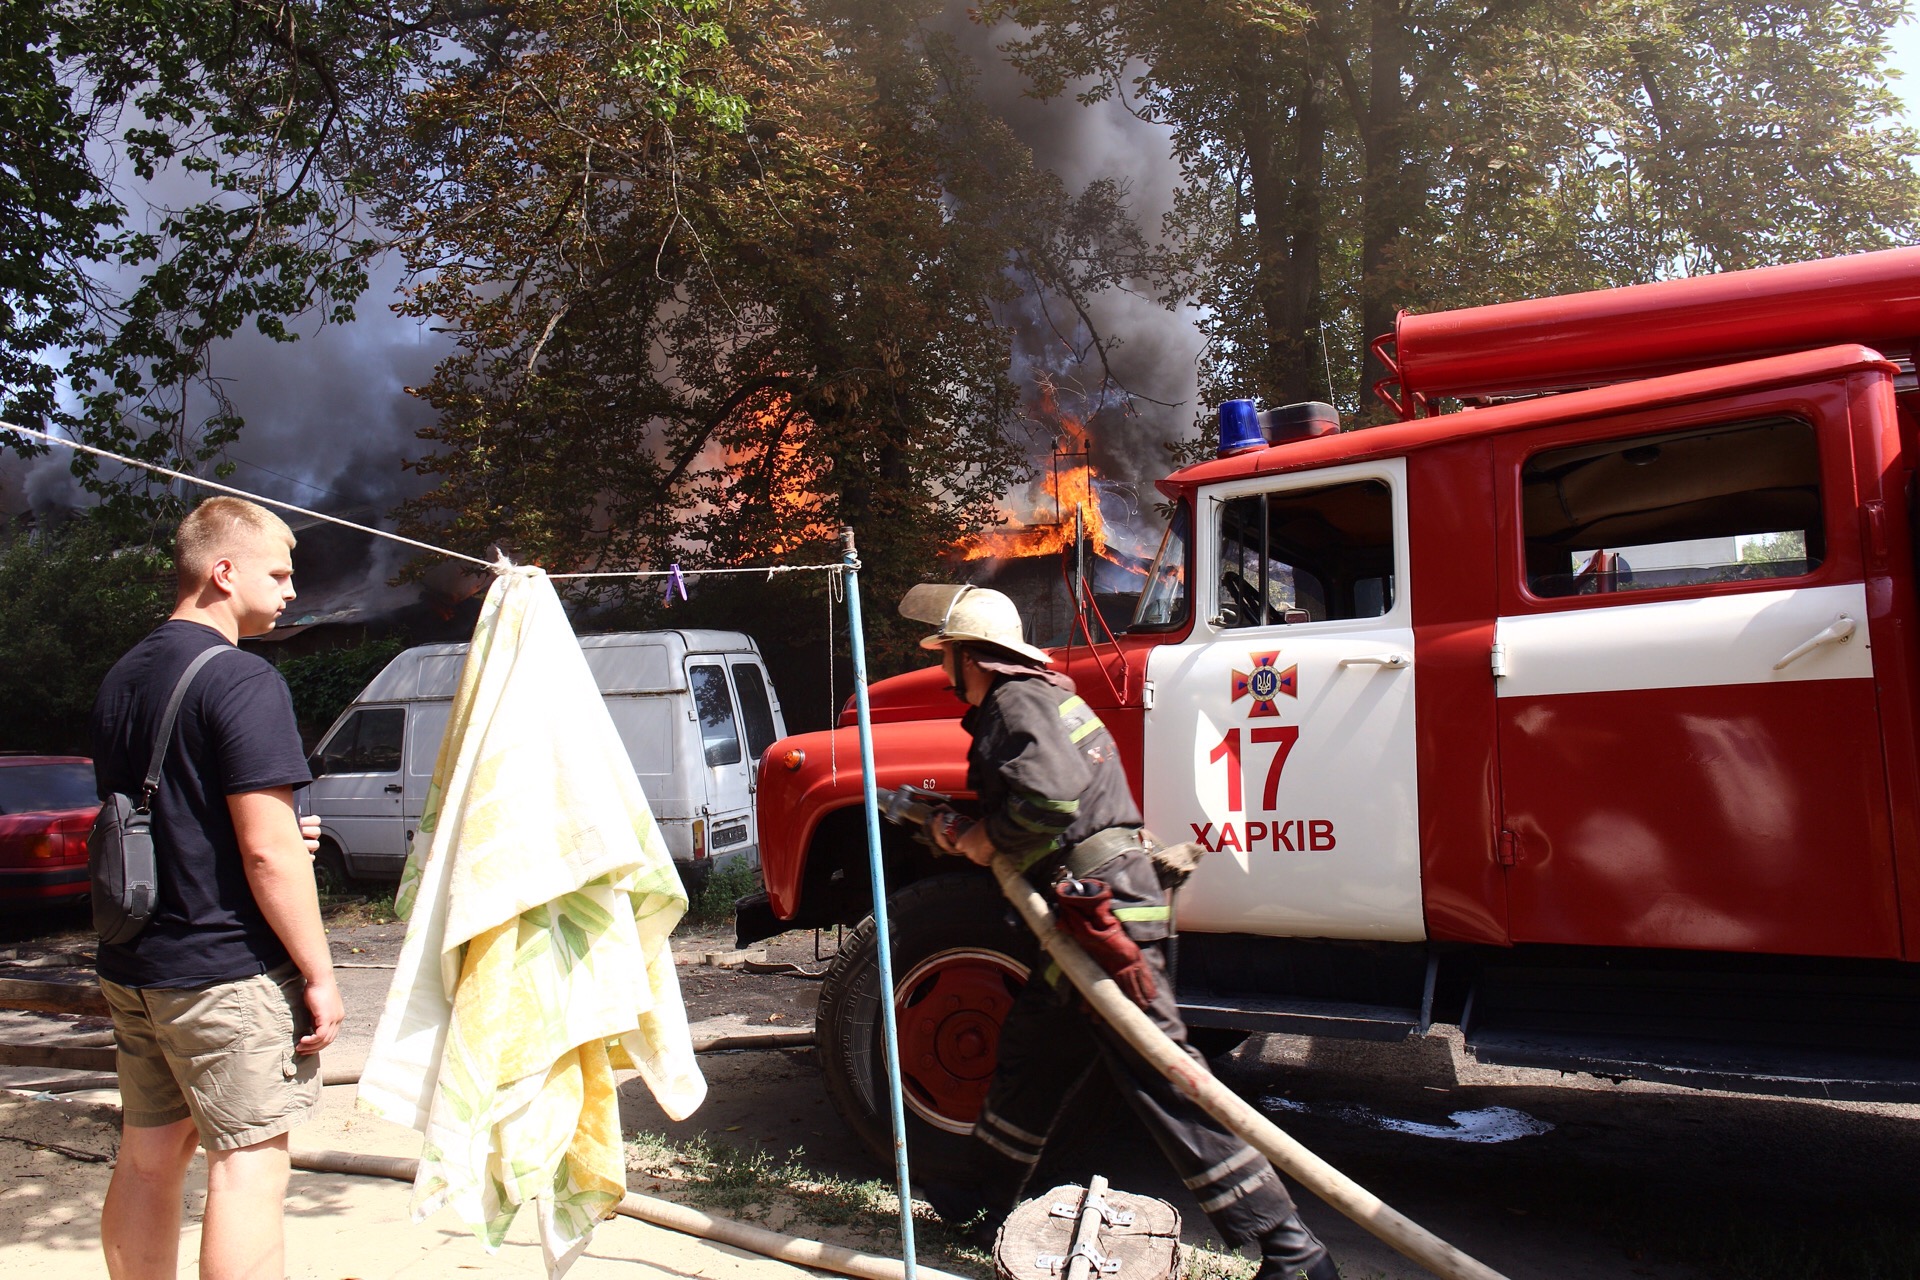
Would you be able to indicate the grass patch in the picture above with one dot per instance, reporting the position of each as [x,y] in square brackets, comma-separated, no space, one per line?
[713,904]
[781,1192]
[355,908]
[1209,1264]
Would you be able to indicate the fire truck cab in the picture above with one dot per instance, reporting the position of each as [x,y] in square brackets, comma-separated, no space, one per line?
[1575,709]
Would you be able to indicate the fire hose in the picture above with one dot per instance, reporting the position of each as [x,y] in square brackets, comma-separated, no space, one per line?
[1197,1083]
[662,1213]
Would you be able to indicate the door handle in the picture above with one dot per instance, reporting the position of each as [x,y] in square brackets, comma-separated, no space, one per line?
[1839,633]
[394,788]
[1397,661]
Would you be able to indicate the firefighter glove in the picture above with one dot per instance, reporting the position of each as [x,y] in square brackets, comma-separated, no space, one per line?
[1084,910]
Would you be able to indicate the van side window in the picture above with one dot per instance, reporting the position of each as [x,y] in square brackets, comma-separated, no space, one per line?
[367,742]
[1306,555]
[755,708]
[1737,502]
[717,731]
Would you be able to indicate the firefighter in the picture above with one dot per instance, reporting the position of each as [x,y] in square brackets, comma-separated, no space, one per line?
[1054,798]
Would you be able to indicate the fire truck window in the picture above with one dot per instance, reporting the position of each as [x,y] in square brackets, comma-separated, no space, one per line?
[1326,554]
[1163,602]
[1738,502]
[717,732]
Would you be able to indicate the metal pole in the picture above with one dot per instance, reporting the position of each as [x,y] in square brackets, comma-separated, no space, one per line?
[883,938]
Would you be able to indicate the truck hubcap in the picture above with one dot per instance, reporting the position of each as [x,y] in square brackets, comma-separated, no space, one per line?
[949,1009]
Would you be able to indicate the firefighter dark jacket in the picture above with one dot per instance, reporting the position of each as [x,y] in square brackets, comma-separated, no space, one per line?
[1046,771]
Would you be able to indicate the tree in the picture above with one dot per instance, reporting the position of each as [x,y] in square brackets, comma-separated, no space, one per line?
[1343,160]
[208,168]
[72,601]
[717,335]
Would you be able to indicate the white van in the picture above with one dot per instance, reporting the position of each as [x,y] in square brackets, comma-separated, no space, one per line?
[694,708]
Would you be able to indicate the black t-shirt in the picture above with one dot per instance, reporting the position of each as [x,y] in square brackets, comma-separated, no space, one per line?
[235,733]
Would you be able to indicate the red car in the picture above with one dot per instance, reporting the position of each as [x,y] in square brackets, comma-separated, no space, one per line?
[47,805]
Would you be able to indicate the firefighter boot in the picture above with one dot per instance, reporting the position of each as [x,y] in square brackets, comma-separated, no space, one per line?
[1291,1252]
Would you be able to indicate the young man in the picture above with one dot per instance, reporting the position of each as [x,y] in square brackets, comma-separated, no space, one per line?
[223,1002]
[1054,798]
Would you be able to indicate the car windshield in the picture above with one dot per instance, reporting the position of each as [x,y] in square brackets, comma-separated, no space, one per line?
[39,788]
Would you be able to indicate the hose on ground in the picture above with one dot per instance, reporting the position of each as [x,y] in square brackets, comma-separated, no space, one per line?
[1197,1083]
[663,1213]
[776,1038]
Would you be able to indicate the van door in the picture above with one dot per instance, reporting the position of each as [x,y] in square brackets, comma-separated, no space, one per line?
[1281,732]
[357,788]
[1689,741]
[759,716]
[426,726]
[729,769]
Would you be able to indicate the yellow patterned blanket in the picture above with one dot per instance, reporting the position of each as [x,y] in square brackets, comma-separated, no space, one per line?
[538,897]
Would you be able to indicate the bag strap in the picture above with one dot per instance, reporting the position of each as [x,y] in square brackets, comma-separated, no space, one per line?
[163,736]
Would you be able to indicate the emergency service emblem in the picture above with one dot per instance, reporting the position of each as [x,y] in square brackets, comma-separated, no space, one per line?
[1266,682]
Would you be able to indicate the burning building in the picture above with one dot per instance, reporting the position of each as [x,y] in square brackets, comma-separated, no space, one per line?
[1070,533]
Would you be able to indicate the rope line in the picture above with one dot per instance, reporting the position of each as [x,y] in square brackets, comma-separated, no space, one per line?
[496,566]
[768,569]
[241,493]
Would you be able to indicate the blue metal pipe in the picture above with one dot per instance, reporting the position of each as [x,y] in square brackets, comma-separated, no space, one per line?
[883,938]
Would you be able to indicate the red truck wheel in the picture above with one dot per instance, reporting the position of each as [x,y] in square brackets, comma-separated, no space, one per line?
[959,958]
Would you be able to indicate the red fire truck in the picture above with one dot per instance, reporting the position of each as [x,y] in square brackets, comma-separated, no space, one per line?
[1575,709]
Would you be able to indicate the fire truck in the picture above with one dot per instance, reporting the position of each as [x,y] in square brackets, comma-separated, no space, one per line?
[1576,709]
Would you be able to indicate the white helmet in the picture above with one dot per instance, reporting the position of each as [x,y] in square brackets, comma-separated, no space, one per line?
[976,614]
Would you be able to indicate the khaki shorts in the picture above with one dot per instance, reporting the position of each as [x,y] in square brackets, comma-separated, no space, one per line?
[222,1054]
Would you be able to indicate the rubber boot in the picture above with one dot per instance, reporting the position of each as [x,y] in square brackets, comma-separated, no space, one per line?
[1291,1252]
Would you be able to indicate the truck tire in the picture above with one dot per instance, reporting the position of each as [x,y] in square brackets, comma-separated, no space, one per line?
[960,956]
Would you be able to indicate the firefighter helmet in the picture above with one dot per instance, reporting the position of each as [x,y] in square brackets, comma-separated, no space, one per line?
[974,615]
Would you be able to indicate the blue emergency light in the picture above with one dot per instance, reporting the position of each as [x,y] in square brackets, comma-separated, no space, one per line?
[1239,428]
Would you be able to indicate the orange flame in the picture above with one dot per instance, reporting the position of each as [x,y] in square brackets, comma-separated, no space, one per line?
[1046,525]
[796,505]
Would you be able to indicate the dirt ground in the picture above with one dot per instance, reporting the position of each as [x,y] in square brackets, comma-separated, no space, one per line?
[1566,1177]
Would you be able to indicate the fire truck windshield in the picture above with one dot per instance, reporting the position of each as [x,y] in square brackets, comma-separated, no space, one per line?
[1163,602]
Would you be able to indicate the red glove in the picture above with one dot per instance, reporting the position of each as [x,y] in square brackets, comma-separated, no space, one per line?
[1084,910]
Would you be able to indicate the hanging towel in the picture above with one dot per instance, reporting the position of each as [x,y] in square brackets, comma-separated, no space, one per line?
[538,897]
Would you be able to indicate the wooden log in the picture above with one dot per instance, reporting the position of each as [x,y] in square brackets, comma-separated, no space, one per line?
[37,996]
[66,1057]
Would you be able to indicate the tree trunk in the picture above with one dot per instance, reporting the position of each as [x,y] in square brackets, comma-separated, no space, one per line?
[1389,180]
[1286,167]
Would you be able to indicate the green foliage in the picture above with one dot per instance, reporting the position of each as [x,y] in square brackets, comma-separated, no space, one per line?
[71,602]
[713,904]
[324,683]
[816,297]
[1342,160]
[267,125]
[1791,545]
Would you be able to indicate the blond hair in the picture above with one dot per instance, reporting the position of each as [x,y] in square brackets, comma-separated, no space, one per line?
[219,528]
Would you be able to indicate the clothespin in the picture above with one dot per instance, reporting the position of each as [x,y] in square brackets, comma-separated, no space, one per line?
[675,580]
[501,565]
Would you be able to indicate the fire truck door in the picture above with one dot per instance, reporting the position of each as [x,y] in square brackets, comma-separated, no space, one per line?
[1281,733]
[1689,742]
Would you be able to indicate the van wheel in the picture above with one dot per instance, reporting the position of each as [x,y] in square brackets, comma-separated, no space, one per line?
[960,956]
[330,874]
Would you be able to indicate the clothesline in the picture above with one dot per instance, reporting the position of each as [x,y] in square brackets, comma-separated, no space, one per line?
[497,565]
